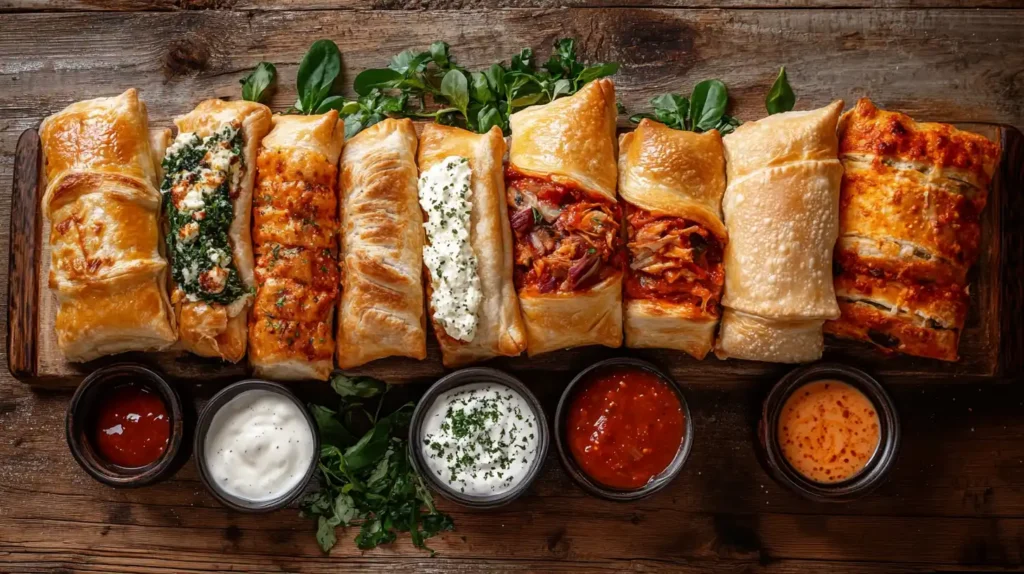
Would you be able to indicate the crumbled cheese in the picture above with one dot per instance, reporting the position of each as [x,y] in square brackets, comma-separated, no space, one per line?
[445,194]
[220,257]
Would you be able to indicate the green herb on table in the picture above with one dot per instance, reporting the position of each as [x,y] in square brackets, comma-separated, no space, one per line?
[259,84]
[369,480]
[432,85]
[703,111]
[780,97]
[317,72]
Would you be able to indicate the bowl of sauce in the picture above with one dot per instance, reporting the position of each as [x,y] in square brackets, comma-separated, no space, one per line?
[829,432]
[479,437]
[623,429]
[124,426]
[256,446]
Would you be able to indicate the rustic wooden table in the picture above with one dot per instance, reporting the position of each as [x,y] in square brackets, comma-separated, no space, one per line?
[956,498]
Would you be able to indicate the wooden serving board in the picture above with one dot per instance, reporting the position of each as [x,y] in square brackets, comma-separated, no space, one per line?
[992,343]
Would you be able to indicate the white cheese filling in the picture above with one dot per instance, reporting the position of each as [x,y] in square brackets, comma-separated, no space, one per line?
[445,195]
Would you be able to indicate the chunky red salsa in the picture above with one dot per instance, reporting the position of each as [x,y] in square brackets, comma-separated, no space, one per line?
[673,259]
[565,238]
[132,427]
[625,426]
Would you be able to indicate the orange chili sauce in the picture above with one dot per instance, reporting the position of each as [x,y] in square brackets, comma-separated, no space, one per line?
[828,431]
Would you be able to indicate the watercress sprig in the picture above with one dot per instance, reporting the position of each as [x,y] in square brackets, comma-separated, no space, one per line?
[366,477]
[432,85]
[259,84]
[703,111]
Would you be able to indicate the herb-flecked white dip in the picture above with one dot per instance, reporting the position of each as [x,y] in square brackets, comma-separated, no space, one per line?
[480,439]
[445,196]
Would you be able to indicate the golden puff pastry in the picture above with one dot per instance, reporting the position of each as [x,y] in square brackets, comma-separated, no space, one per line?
[381,312]
[569,141]
[909,229]
[671,183]
[493,315]
[208,181]
[295,235]
[781,208]
[560,188]
[106,270]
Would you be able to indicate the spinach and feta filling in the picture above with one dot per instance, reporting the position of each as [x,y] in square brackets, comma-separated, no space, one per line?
[201,177]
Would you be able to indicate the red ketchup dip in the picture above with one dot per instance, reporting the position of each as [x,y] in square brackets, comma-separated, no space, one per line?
[132,426]
[625,426]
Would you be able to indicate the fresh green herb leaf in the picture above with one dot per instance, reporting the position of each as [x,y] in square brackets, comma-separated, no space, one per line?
[367,80]
[362,387]
[780,97]
[481,88]
[331,429]
[707,105]
[439,53]
[455,88]
[595,72]
[370,483]
[317,72]
[259,82]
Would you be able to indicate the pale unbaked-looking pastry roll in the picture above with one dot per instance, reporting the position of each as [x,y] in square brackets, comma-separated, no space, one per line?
[566,221]
[295,223]
[106,269]
[781,208]
[381,312]
[671,184]
[207,184]
[468,250]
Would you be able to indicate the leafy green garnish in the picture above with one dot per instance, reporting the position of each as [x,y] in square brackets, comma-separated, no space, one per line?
[369,482]
[431,84]
[317,72]
[781,97]
[259,82]
[703,111]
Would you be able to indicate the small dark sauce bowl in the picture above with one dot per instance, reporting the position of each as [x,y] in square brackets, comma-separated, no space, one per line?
[659,481]
[81,421]
[465,377]
[199,447]
[874,472]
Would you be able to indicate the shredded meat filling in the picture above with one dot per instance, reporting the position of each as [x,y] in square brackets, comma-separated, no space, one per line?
[565,239]
[673,259]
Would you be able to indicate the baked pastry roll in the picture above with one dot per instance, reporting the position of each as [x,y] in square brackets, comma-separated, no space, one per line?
[671,183]
[207,186]
[781,209]
[468,251]
[381,312]
[909,229]
[295,238]
[106,268]
[566,220]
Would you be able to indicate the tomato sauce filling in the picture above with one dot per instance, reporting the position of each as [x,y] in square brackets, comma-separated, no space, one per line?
[565,239]
[828,431]
[625,427]
[673,259]
[132,427]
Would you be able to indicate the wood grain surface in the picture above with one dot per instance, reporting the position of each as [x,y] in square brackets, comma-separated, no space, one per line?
[955,501]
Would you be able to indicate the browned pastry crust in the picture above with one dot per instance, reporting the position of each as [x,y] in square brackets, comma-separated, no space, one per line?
[912,194]
[295,227]
[672,183]
[381,312]
[500,329]
[107,269]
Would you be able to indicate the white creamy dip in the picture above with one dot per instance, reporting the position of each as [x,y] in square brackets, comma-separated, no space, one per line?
[480,439]
[445,197]
[259,446]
